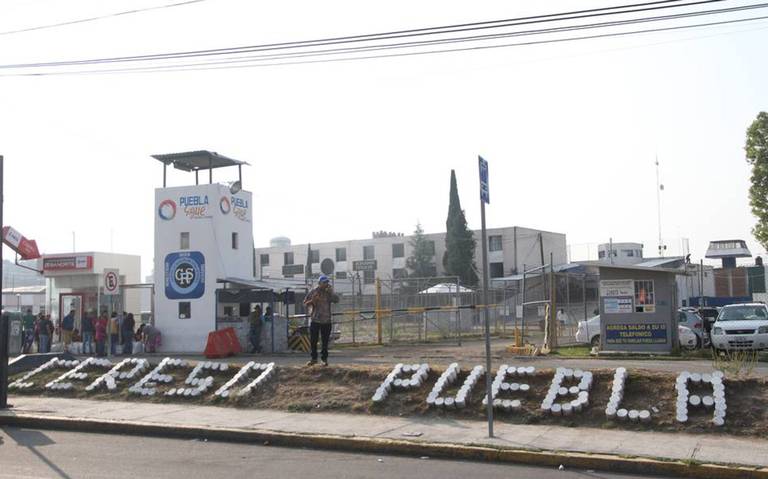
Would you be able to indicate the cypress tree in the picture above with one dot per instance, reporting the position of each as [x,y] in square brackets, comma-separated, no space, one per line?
[458,259]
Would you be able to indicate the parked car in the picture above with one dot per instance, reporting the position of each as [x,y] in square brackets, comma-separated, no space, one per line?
[709,315]
[689,318]
[741,327]
[589,332]
[688,338]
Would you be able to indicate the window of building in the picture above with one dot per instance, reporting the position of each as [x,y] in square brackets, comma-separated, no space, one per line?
[601,254]
[645,298]
[288,257]
[368,252]
[341,254]
[399,273]
[264,258]
[185,310]
[245,309]
[398,250]
[494,243]
[496,270]
[430,247]
[432,271]
[228,311]
[314,255]
[369,277]
[184,240]
[628,252]
[341,275]
[235,241]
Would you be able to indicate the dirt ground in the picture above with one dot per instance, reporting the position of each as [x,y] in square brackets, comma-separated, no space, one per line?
[349,389]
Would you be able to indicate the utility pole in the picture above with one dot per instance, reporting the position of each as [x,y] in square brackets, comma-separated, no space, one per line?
[701,283]
[4,319]
[659,189]
[610,249]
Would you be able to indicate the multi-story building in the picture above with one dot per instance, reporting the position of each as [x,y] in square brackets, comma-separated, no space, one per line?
[385,255]
[620,253]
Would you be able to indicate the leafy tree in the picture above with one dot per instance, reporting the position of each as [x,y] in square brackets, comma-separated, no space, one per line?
[458,259]
[757,156]
[420,263]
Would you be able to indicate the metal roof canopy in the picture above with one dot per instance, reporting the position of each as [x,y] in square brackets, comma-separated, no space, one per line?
[199,160]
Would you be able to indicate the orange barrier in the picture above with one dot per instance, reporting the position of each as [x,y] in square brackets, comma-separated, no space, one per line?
[222,343]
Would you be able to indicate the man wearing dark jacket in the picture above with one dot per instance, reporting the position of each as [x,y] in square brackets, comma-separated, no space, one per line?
[319,302]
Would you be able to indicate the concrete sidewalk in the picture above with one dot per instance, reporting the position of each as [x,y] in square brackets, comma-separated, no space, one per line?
[550,445]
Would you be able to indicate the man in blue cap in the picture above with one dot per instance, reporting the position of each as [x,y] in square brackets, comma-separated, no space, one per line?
[319,303]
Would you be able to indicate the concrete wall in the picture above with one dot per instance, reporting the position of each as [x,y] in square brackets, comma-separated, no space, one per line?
[665,308]
[210,214]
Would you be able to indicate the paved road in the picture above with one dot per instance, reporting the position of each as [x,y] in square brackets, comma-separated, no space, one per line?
[26,453]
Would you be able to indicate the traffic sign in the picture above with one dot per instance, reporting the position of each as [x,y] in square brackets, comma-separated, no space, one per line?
[111,282]
[484,192]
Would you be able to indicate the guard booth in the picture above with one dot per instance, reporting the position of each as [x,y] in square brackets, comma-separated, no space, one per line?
[638,309]
[237,298]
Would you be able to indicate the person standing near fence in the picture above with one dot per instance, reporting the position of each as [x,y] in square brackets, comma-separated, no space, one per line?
[45,331]
[87,326]
[254,332]
[67,326]
[114,332]
[100,333]
[126,330]
[319,301]
[28,334]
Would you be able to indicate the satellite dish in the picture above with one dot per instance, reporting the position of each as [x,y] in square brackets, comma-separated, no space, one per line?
[235,187]
[327,266]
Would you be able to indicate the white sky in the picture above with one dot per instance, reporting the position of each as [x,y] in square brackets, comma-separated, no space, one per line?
[342,149]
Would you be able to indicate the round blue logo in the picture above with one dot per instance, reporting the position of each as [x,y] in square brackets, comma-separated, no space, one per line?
[184,275]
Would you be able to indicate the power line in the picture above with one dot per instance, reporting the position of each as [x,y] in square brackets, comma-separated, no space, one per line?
[340,51]
[101,17]
[623,9]
[230,65]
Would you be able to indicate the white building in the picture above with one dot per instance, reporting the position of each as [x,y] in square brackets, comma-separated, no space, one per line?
[75,281]
[203,235]
[623,254]
[509,249]
[22,298]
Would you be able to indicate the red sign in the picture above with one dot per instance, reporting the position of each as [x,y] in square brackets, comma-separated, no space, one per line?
[68,263]
[25,247]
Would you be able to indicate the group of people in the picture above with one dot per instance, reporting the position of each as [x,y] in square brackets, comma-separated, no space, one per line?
[36,330]
[115,333]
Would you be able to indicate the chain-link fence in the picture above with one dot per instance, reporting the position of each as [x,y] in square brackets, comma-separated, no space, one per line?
[441,308]
[415,310]
[566,298]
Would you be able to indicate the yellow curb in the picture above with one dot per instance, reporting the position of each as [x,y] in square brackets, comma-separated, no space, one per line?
[470,452]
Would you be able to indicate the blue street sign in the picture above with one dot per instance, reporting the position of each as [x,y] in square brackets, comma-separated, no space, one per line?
[484,192]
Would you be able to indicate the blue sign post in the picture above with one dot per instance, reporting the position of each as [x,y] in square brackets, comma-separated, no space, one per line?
[484,193]
[484,199]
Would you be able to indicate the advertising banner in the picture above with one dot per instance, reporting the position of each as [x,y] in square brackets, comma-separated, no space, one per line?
[68,263]
[636,333]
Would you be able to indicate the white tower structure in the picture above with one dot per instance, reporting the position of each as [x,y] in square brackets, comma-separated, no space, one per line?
[203,235]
